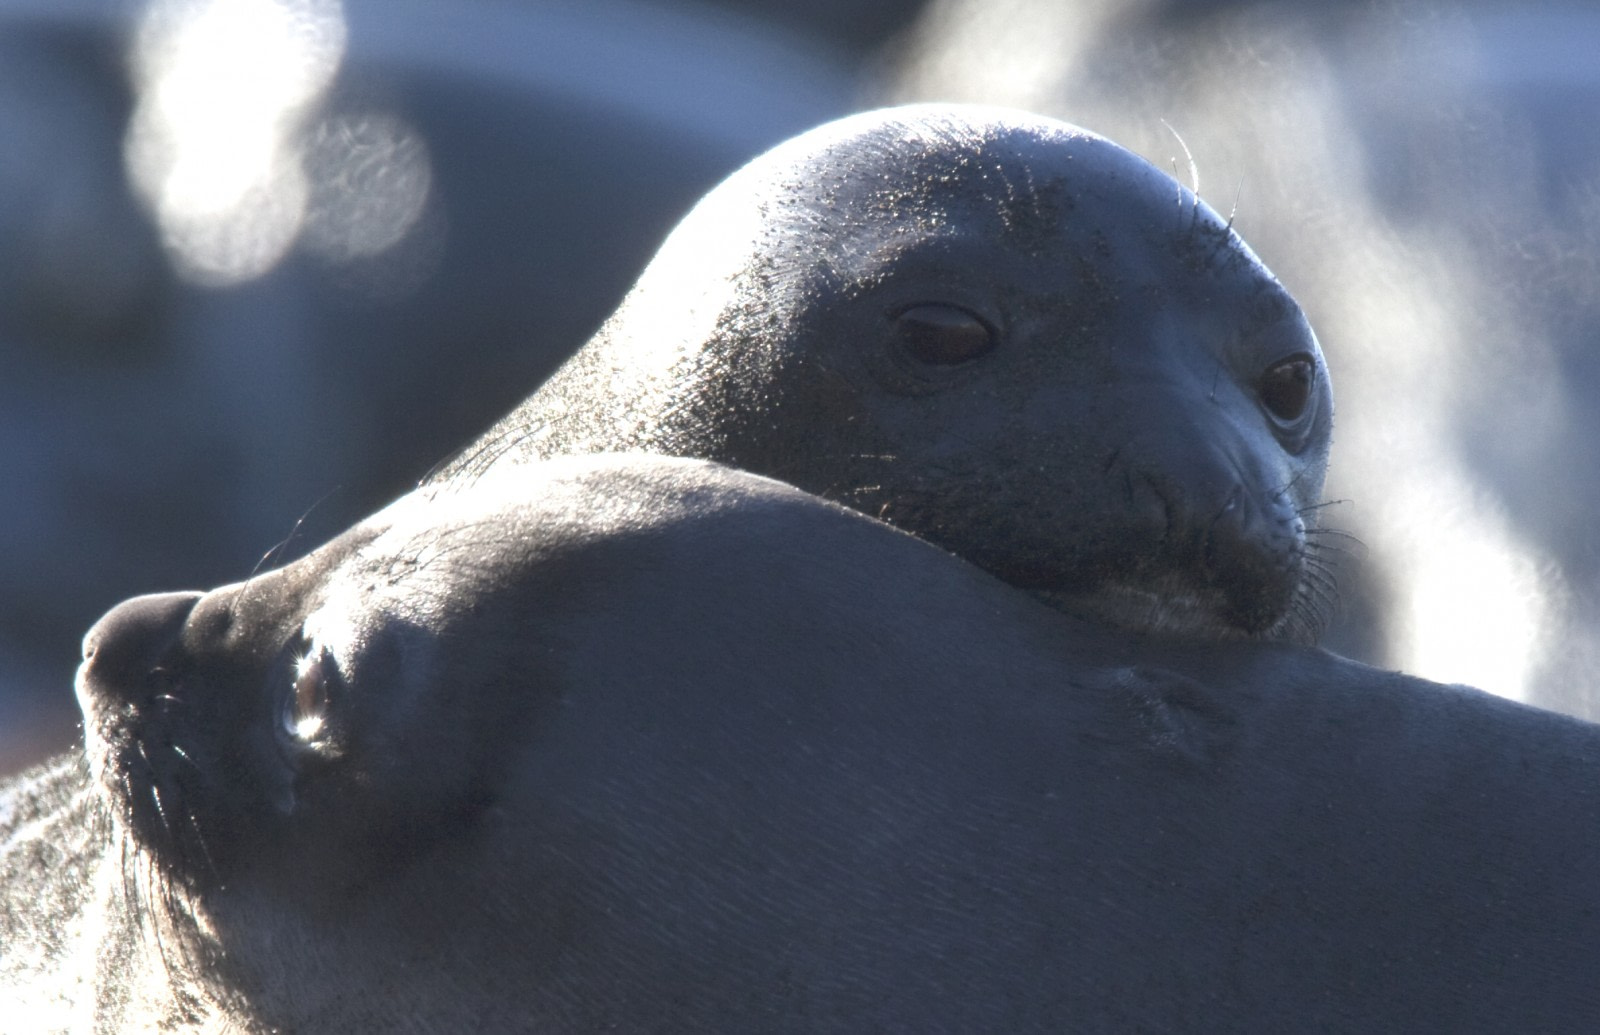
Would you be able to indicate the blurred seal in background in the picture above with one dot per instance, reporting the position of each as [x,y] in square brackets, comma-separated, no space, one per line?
[264,263]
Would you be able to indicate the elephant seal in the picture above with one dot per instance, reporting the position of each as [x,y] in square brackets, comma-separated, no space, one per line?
[997,331]
[642,744]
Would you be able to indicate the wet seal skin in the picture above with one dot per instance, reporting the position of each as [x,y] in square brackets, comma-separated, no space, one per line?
[1002,333]
[641,744]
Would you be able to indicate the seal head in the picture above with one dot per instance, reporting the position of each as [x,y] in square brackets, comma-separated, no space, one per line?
[1004,334]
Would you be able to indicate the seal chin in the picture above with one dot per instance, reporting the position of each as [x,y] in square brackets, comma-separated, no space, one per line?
[1175,610]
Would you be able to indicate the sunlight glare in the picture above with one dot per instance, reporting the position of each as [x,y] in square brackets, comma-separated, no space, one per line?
[1475,603]
[221,86]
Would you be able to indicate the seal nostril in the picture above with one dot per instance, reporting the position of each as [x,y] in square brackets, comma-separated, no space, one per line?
[125,646]
[1232,536]
[1250,554]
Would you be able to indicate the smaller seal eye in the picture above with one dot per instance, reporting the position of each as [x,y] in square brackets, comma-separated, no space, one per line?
[942,335]
[307,707]
[1286,386]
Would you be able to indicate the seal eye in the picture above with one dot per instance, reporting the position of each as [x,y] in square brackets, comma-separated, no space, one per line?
[1286,386]
[307,707]
[942,335]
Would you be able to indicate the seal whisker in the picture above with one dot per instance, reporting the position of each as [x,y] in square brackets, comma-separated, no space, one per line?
[181,753]
[1293,483]
[1332,555]
[1321,581]
[161,811]
[1316,608]
[1316,601]
[270,558]
[1337,533]
[1335,543]
[1314,559]
[1317,561]
[1319,571]
[1194,168]
[153,889]
[1315,547]
[485,459]
[205,849]
[463,459]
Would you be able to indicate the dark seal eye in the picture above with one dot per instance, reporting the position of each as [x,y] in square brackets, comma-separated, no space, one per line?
[1286,386]
[942,335]
[306,710]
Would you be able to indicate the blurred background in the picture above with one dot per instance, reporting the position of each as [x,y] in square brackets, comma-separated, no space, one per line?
[264,262]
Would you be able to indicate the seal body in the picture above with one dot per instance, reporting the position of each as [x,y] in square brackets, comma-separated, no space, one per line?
[1004,334]
[643,744]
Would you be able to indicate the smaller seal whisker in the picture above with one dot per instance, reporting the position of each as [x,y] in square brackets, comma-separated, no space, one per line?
[1321,583]
[1315,547]
[472,464]
[205,849]
[272,555]
[1336,533]
[161,810]
[1194,168]
[176,750]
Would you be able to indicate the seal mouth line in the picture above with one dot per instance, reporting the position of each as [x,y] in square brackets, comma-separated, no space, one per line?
[1171,607]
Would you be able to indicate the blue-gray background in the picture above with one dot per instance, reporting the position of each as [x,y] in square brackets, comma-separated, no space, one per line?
[455,192]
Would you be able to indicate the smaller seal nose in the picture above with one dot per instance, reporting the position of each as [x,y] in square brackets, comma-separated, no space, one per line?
[121,649]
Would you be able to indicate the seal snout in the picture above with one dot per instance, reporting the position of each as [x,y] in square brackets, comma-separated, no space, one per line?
[1252,552]
[1200,541]
[127,644]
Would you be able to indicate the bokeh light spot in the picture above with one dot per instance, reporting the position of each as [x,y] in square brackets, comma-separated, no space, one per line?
[221,86]
[370,177]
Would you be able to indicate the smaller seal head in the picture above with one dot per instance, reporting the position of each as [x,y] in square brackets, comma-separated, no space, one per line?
[281,759]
